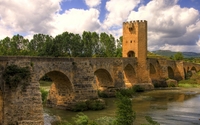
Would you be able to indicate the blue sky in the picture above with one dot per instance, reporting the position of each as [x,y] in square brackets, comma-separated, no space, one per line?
[172,24]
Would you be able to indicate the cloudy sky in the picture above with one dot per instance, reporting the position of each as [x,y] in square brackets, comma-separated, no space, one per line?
[172,24]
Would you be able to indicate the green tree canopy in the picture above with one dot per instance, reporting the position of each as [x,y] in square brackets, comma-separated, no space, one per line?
[90,44]
[178,56]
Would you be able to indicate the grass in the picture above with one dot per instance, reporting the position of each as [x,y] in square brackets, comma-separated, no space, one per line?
[192,82]
[45,85]
[187,85]
[44,89]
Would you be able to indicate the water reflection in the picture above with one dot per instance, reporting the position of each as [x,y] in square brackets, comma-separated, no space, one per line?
[168,107]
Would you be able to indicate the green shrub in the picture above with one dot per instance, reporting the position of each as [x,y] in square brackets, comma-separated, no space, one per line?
[102,94]
[105,120]
[95,104]
[127,92]
[14,75]
[130,91]
[81,119]
[80,106]
[138,88]
[171,84]
[89,105]
[125,114]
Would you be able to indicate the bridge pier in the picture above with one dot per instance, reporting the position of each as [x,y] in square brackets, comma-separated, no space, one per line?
[22,106]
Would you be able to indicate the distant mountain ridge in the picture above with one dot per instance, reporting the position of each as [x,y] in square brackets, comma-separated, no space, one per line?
[169,53]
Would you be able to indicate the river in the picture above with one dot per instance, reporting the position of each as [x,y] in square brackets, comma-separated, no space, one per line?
[167,107]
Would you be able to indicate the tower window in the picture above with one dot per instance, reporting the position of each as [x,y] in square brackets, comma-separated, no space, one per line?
[131,41]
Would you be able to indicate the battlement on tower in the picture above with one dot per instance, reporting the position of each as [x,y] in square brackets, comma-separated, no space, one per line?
[134,26]
[134,22]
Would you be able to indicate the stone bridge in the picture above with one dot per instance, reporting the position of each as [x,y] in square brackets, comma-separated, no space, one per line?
[76,79]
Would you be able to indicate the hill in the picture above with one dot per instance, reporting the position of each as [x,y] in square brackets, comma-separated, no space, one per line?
[169,53]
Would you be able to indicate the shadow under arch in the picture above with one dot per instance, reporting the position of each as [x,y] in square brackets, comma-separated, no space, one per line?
[185,73]
[61,92]
[103,79]
[131,54]
[152,69]
[129,76]
[193,69]
[153,72]
[170,72]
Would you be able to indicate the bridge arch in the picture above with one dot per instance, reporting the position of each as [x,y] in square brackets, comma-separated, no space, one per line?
[103,79]
[61,92]
[193,69]
[129,75]
[131,54]
[170,72]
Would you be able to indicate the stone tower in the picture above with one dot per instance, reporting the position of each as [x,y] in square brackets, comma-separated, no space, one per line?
[135,45]
[135,39]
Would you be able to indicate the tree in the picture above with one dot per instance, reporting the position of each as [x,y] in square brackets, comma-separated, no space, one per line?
[19,45]
[74,45]
[37,44]
[87,44]
[107,45]
[16,45]
[96,51]
[119,47]
[5,46]
[178,56]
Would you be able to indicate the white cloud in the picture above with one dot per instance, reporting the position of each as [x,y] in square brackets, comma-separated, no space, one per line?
[118,11]
[92,3]
[76,21]
[24,16]
[181,48]
[4,32]
[198,42]
[40,16]
[169,24]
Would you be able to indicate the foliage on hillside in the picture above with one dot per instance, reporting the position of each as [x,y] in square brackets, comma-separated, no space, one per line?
[153,55]
[185,56]
[176,56]
[169,53]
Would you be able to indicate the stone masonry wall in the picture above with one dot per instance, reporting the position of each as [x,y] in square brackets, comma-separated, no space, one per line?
[22,105]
